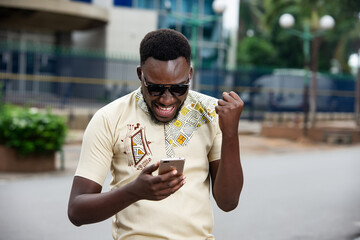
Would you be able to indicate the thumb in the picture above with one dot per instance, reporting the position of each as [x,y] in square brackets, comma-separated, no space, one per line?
[150,169]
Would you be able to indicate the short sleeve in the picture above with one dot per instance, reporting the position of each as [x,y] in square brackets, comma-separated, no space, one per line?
[215,151]
[97,149]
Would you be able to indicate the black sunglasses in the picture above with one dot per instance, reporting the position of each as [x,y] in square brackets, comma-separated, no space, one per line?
[159,89]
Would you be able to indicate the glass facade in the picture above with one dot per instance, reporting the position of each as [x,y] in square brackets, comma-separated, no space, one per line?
[123,3]
[146,4]
[188,5]
[86,1]
[208,34]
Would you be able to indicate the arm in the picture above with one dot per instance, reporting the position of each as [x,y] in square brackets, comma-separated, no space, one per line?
[227,174]
[88,205]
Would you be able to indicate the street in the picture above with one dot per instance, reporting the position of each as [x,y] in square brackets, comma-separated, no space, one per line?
[309,194]
[304,195]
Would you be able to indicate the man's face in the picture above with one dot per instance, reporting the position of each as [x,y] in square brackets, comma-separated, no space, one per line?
[166,106]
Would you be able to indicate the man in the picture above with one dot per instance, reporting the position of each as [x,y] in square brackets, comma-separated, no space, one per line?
[161,119]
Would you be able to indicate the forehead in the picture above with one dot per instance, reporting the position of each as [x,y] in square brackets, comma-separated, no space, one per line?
[166,72]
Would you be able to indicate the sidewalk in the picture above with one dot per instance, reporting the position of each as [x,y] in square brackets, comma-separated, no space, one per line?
[251,143]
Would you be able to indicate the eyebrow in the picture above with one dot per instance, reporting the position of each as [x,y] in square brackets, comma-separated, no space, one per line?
[182,83]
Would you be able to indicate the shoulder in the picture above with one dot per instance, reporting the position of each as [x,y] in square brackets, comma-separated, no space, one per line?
[113,111]
[202,99]
[201,105]
[117,106]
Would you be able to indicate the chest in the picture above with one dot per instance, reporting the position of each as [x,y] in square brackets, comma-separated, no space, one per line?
[141,142]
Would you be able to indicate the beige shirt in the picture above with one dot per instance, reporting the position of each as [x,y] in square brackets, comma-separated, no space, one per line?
[122,138]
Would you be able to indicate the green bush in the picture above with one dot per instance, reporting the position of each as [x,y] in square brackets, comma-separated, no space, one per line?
[29,131]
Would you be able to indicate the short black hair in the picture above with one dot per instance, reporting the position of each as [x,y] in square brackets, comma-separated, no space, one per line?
[164,45]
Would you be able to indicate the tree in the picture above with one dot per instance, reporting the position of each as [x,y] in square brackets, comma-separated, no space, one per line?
[337,44]
[256,51]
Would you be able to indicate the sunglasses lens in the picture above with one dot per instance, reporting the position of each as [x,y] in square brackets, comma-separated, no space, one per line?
[178,90]
[155,90]
[158,90]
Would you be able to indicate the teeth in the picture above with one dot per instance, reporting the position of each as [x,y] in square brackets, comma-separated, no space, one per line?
[166,108]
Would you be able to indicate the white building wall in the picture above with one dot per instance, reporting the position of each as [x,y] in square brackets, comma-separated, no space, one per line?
[127,27]
[124,32]
[103,3]
[120,38]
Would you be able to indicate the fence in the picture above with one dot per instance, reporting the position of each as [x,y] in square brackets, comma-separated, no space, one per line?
[65,78]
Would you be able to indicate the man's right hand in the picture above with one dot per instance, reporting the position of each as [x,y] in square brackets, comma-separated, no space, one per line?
[147,186]
[88,205]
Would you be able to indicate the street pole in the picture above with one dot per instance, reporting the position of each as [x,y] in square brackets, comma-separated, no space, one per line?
[194,41]
[194,35]
[326,22]
[306,36]
[357,93]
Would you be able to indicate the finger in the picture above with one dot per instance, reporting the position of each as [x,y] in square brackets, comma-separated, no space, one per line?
[231,97]
[178,186]
[164,177]
[221,102]
[172,182]
[177,181]
[169,175]
[227,98]
[234,95]
[168,190]
[219,108]
[150,169]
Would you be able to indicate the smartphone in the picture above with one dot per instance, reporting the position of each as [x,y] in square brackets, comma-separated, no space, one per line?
[168,164]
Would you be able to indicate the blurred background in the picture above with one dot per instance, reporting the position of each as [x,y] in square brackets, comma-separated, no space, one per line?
[83,54]
[295,64]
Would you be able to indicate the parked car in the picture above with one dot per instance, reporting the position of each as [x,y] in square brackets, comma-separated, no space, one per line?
[284,91]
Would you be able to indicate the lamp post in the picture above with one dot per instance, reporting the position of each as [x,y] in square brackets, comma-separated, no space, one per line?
[326,22]
[195,22]
[357,91]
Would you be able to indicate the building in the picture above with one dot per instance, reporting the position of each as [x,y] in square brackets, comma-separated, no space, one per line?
[91,39]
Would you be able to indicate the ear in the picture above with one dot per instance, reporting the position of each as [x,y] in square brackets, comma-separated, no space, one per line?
[139,72]
[191,73]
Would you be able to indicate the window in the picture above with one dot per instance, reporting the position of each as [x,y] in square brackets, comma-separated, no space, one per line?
[208,7]
[86,1]
[187,6]
[146,4]
[123,3]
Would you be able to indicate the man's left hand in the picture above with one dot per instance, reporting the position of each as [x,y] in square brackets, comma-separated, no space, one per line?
[229,110]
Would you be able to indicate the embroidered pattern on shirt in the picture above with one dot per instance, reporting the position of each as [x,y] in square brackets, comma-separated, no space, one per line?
[179,131]
[192,115]
[136,146]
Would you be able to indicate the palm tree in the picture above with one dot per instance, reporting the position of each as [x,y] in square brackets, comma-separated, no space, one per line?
[339,41]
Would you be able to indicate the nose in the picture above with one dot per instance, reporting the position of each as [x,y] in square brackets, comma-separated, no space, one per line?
[167,98]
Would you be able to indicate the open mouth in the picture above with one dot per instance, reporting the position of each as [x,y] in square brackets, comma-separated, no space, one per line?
[164,111]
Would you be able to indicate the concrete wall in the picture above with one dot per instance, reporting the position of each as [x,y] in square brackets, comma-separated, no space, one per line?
[127,27]
[120,38]
[104,3]
[90,39]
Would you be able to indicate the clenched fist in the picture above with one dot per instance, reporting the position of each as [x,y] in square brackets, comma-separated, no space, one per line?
[229,110]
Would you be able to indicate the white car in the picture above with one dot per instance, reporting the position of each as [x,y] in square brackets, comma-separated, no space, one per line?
[284,90]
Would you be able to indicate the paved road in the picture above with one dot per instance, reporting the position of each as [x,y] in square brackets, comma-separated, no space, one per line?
[312,195]
[300,195]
